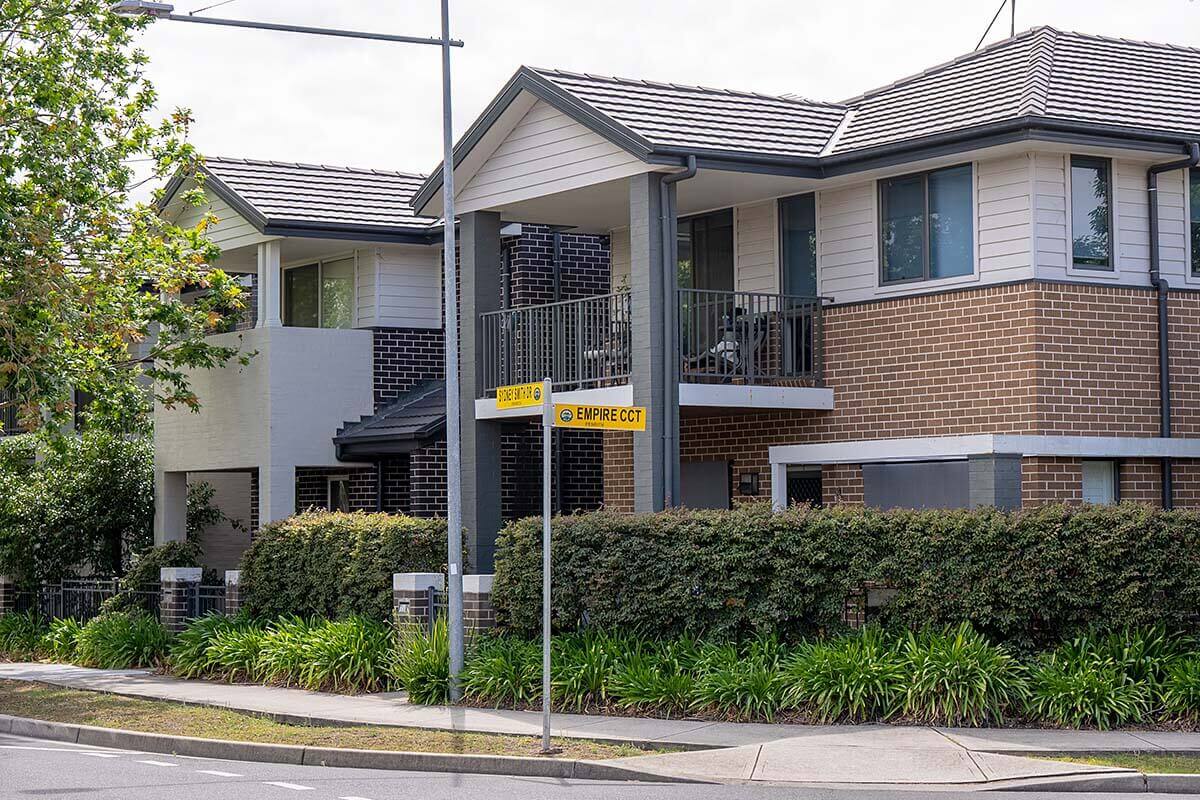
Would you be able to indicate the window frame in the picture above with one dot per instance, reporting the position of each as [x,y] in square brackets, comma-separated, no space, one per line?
[1193,271]
[330,480]
[926,258]
[1092,269]
[689,220]
[1116,478]
[319,263]
[781,239]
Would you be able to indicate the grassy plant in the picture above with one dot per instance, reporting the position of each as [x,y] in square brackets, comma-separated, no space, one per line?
[1080,693]
[957,677]
[582,665]
[1180,691]
[20,635]
[504,670]
[234,653]
[122,640]
[284,652]
[743,686]
[421,664]
[1144,655]
[855,678]
[349,655]
[653,681]
[190,650]
[62,638]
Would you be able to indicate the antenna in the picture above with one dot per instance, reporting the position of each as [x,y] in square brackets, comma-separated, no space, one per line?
[1012,25]
[995,17]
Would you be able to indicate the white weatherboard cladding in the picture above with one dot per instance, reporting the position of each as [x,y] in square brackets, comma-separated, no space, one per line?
[546,152]
[409,286]
[620,257]
[1003,199]
[366,288]
[755,242]
[231,230]
[847,246]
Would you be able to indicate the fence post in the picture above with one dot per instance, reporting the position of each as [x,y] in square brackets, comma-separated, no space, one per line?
[179,587]
[233,592]
[8,595]
[411,596]
[478,614]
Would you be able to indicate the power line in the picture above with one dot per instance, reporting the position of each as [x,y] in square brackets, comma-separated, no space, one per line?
[206,8]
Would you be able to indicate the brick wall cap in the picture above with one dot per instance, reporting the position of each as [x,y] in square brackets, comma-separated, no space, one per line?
[179,574]
[417,581]
[233,577]
[477,584]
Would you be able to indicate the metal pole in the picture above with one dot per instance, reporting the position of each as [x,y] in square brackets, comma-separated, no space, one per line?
[547,450]
[453,421]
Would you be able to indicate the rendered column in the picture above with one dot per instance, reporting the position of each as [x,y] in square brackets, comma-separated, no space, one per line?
[269,285]
[170,506]
[276,493]
[479,290]
[648,342]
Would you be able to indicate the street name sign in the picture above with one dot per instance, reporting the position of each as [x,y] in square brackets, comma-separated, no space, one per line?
[616,418]
[519,395]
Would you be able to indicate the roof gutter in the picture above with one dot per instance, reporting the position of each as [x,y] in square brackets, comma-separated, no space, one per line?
[1163,288]
[668,224]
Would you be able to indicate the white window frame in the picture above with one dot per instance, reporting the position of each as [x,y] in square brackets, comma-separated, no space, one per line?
[1115,466]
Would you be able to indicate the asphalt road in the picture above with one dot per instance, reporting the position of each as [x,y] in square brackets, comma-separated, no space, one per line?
[35,768]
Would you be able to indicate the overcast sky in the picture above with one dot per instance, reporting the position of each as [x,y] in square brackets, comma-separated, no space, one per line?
[286,97]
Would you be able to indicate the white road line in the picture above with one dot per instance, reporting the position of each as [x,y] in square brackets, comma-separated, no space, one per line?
[283,785]
[157,763]
[218,773]
[99,755]
[352,797]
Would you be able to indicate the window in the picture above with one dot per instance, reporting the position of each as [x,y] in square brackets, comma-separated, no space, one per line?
[339,493]
[1091,216]
[1194,204]
[927,227]
[319,295]
[706,251]
[1100,482]
[798,244]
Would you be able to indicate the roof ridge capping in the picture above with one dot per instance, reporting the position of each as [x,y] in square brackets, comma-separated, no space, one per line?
[787,97]
[321,167]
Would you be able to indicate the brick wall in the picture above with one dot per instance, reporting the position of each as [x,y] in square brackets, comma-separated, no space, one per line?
[427,481]
[581,454]
[404,357]
[312,486]
[585,265]
[1034,358]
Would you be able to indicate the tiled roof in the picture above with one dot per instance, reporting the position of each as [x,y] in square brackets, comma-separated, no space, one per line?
[696,117]
[415,417]
[323,195]
[1042,72]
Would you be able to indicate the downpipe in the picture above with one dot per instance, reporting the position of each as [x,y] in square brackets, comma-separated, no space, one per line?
[1163,290]
[670,282]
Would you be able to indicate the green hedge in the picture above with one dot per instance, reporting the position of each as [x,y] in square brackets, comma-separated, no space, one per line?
[1028,578]
[335,565]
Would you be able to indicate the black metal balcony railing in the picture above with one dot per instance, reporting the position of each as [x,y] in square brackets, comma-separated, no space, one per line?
[580,344]
[8,416]
[749,337]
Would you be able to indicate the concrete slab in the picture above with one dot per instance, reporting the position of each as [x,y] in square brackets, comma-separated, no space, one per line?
[1045,741]
[1173,741]
[892,737]
[732,763]
[789,761]
[1002,767]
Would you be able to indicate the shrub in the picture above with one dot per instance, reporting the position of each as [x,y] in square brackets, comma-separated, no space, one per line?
[283,653]
[956,677]
[235,653]
[504,670]
[190,651]
[660,678]
[1181,687]
[854,678]
[741,683]
[62,638]
[335,565]
[20,635]
[122,640]
[421,664]
[582,666]
[1080,684]
[350,655]
[1027,579]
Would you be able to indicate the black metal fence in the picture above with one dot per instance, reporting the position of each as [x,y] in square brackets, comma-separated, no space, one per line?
[83,598]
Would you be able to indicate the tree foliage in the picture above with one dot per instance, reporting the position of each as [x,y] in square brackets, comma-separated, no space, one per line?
[89,278]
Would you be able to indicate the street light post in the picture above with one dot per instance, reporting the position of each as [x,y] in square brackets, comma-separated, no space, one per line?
[155,10]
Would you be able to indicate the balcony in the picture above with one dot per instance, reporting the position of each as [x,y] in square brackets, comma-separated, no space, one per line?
[728,344]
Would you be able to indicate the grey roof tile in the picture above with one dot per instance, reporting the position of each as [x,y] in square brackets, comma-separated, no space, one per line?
[322,194]
[416,415]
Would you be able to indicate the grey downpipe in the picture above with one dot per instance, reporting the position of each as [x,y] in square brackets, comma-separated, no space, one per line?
[1163,288]
[670,277]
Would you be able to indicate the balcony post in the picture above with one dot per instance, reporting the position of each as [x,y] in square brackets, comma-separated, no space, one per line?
[270,279]
[170,506]
[648,345]
[481,291]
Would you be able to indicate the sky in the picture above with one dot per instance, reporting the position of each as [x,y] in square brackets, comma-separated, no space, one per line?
[286,97]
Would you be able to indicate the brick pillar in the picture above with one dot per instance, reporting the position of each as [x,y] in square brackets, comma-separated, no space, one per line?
[410,596]
[8,595]
[478,614]
[233,592]
[177,594]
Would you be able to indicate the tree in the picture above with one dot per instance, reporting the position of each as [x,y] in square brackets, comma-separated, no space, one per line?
[90,280]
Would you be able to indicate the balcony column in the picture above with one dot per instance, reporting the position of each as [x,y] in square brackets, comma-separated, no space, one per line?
[479,277]
[270,279]
[648,346]
[276,492]
[170,506]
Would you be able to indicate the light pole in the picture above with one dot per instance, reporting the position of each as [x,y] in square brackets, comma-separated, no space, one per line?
[154,10]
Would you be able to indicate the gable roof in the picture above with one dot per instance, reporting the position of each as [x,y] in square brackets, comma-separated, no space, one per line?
[290,199]
[1042,81]
[411,421]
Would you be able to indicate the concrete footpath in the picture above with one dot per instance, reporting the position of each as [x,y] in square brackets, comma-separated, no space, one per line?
[711,751]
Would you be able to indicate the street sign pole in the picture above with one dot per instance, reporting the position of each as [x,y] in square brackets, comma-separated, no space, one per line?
[547,437]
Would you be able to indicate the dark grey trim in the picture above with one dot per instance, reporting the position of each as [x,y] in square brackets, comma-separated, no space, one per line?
[307,230]
[1105,164]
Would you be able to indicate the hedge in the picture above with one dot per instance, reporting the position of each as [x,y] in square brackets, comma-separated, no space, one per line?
[335,565]
[1026,578]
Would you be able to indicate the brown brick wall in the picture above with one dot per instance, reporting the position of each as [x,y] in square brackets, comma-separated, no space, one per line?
[1035,358]
[842,484]
[1051,480]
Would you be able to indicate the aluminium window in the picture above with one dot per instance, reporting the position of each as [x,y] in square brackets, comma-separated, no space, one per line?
[1091,213]
[927,225]
[1100,482]
[1194,221]
[798,244]
[705,245]
[319,295]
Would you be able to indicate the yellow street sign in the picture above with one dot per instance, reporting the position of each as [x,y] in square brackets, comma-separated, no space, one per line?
[519,395]
[620,418]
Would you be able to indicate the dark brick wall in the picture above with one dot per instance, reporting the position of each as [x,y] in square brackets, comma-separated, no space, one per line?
[312,486]
[405,357]
[581,454]
[586,268]
[427,481]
